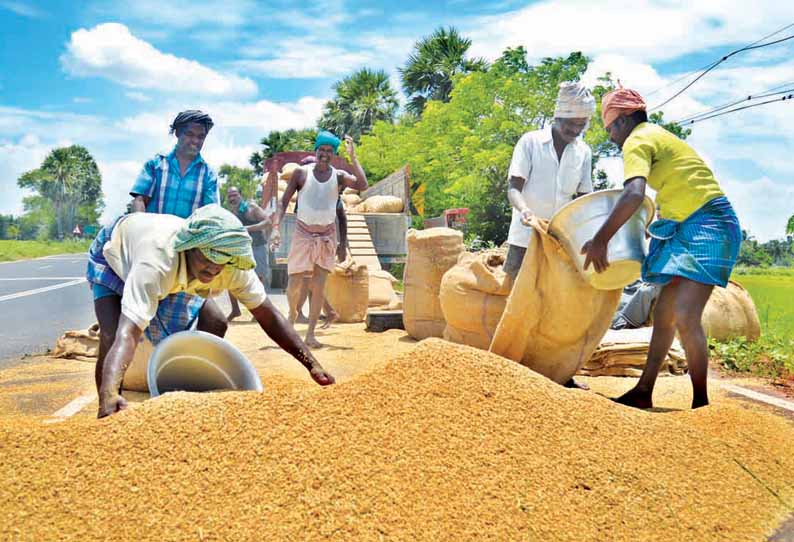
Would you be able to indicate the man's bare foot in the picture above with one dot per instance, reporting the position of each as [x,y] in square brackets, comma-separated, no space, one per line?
[576,385]
[300,319]
[699,401]
[233,315]
[312,342]
[635,398]
[329,319]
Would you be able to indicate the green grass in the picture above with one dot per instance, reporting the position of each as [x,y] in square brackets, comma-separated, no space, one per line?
[773,354]
[21,250]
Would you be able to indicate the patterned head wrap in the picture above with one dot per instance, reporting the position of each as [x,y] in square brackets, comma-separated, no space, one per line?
[621,101]
[574,101]
[219,235]
[191,115]
[327,138]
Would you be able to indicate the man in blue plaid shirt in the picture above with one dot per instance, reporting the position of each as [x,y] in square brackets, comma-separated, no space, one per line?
[178,184]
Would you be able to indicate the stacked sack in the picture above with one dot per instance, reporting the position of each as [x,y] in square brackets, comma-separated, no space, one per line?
[554,319]
[623,352]
[347,290]
[380,204]
[473,296]
[729,313]
[431,253]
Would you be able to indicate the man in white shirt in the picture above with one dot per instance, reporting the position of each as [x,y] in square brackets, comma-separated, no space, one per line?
[143,258]
[550,167]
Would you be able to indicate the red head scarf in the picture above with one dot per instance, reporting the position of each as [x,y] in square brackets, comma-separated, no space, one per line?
[622,101]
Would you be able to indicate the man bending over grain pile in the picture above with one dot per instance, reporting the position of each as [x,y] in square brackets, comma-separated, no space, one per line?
[142,258]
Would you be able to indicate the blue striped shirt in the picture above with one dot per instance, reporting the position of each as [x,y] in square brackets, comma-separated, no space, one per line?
[179,195]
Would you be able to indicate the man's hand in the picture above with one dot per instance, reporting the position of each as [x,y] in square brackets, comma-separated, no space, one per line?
[275,239]
[341,252]
[526,217]
[320,376]
[350,147]
[275,165]
[111,405]
[596,252]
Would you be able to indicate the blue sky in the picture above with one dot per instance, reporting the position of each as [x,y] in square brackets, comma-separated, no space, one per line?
[111,75]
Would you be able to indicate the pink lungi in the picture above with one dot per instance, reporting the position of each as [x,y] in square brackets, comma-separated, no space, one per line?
[312,245]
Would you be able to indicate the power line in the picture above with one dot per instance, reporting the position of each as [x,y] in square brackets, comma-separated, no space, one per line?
[723,59]
[690,74]
[784,98]
[731,104]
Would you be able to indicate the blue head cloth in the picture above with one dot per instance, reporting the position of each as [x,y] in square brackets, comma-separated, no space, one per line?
[327,138]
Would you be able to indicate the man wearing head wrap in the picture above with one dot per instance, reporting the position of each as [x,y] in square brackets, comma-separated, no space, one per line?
[694,244]
[313,250]
[177,184]
[142,259]
[550,167]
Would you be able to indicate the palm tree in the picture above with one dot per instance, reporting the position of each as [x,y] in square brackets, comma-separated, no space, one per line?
[362,99]
[790,226]
[430,69]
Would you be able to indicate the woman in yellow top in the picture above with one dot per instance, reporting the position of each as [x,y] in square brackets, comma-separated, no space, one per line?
[694,243]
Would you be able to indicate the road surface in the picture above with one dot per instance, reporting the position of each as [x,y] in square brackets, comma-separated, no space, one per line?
[39,300]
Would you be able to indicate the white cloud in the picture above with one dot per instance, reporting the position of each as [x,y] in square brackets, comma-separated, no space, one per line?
[22,8]
[82,100]
[109,50]
[299,58]
[137,96]
[17,157]
[184,14]
[762,205]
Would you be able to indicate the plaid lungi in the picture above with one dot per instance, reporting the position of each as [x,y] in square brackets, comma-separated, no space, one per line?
[177,312]
[702,248]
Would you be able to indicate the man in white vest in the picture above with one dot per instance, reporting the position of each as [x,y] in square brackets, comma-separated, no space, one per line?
[314,243]
[550,167]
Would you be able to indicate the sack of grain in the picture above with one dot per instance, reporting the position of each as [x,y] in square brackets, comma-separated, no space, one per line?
[553,320]
[135,377]
[349,191]
[381,288]
[82,345]
[431,253]
[351,200]
[473,296]
[287,169]
[730,312]
[381,204]
[347,290]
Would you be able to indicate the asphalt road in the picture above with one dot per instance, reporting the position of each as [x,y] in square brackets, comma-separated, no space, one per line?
[39,300]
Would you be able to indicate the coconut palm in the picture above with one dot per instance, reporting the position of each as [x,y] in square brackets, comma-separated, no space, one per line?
[362,99]
[429,72]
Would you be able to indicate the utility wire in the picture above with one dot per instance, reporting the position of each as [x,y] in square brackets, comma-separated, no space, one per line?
[714,65]
[731,104]
[784,98]
[690,74]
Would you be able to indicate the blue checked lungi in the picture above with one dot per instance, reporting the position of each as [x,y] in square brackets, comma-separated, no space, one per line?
[702,248]
[177,312]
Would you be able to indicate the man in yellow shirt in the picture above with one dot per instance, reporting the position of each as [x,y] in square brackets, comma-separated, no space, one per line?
[694,244]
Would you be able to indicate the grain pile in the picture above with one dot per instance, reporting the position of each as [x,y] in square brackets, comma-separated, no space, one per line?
[446,443]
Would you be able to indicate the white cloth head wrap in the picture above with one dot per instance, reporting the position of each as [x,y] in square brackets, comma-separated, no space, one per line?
[574,101]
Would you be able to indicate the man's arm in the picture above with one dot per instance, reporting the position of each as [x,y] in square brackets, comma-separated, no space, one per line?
[296,182]
[631,199]
[516,199]
[586,181]
[143,188]
[359,180]
[277,328]
[139,204]
[255,212]
[209,190]
[341,216]
[116,362]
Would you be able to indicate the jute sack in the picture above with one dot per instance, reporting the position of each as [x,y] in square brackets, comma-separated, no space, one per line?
[730,312]
[81,345]
[135,377]
[553,320]
[381,204]
[473,296]
[287,169]
[347,290]
[431,253]
[381,288]
[351,200]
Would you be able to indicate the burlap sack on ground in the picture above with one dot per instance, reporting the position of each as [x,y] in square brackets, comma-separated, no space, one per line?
[553,320]
[381,288]
[730,312]
[381,204]
[82,345]
[624,352]
[473,296]
[431,253]
[347,290]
